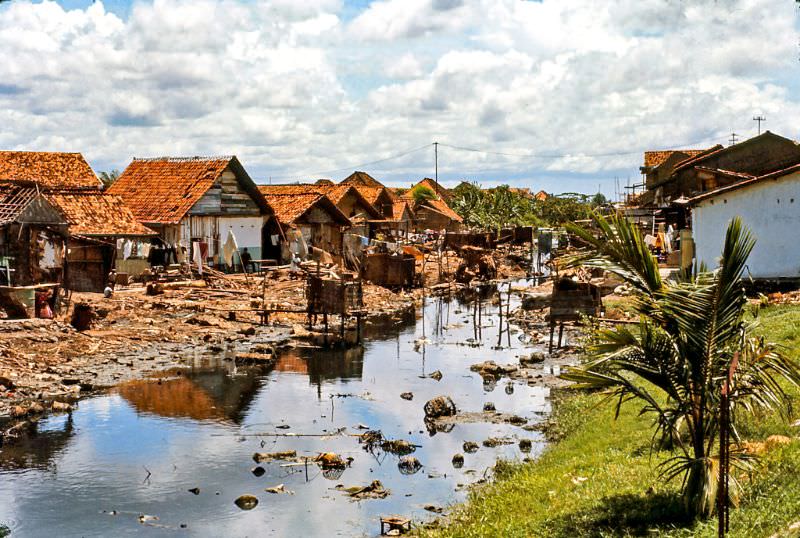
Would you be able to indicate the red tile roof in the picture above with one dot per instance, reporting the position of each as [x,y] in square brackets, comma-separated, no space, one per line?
[443,208]
[164,189]
[49,170]
[97,214]
[338,192]
[654,158]
[435,187]
[361,179]
[399,207]
[291,202]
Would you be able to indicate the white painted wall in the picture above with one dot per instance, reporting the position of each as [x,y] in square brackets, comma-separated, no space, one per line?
[771,209]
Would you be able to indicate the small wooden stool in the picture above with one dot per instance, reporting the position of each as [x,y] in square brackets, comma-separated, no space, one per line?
[399,523]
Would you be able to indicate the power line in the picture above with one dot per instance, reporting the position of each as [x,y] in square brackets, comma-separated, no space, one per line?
[354,166]
[561,156]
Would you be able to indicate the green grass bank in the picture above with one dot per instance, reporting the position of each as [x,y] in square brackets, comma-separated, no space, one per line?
[600,478]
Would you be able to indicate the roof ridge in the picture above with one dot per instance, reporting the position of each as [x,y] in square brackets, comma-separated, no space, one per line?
[195,158]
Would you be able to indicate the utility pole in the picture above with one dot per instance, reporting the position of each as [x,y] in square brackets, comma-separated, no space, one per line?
[759,119]
[436,162]
[733,138]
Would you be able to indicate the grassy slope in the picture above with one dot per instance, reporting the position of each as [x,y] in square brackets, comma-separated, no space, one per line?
[622,494]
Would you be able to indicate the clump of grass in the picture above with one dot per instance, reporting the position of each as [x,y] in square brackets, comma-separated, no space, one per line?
[600,479]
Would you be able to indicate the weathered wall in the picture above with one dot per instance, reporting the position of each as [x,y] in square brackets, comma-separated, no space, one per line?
[771,209]
[225,197]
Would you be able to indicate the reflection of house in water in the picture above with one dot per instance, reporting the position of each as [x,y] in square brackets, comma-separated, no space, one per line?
[321,365]
[36,449]
[200,395]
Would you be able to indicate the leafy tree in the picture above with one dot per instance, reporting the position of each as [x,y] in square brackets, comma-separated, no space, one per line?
[598,200]
[421,193]
[675,359]
[108,178]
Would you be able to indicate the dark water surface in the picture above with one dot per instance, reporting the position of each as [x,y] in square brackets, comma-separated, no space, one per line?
[139,449]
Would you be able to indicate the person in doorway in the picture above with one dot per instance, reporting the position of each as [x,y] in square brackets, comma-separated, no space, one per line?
[247,261]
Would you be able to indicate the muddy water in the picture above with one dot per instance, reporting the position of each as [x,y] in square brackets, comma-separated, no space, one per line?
[139,449]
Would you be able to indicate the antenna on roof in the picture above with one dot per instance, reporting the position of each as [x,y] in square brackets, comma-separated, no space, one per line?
[759,119]
[733,138]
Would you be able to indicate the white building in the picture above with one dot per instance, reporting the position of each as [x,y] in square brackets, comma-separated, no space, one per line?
[769,206]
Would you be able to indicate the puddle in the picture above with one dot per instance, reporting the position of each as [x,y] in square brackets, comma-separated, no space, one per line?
[139,449]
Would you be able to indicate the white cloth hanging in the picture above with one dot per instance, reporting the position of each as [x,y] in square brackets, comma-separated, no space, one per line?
[126,249]
[197,256]
[229,248]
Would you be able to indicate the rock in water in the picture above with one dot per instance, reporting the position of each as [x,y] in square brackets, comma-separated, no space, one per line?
[441,406]
[525,445]
[409,465]
[246,502]
[407,396]
[458,461]
[470,447]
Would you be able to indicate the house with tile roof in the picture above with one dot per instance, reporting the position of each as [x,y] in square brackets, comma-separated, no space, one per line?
[361,179]
[352,203]
[194,202]
[683,174]
[305,208]
[441,192]
[435,214]
[93,220]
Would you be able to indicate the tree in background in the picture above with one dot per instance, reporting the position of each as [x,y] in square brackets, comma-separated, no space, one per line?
[421,194]
[108,178]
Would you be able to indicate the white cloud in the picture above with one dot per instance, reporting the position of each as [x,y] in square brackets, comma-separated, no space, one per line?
[291,87]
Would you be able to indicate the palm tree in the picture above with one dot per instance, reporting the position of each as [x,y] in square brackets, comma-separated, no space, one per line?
[677,356]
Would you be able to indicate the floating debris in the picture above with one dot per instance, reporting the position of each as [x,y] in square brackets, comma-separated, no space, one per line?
[258,471]
[470,447]
[525,445]
[436,374]
[489,406]
[373,491]
[407,396]
[259,457]
[497,441]
[280,488]
[458,461]
[194,491]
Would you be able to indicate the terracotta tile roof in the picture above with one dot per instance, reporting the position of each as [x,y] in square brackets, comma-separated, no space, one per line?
[337,192]
[297,188]
[164,189]
[443,208]
[50,170]
[372,194]
[435,187]
[654,158]
[398,207]
[97,214]
[290,202]
[361,179]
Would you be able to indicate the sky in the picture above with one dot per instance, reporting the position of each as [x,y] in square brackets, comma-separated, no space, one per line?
[558,95]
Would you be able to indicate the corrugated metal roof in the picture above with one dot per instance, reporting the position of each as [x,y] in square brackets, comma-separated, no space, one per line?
[50,170]
[97,214]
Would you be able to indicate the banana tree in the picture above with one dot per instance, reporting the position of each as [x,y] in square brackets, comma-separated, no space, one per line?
[676,357]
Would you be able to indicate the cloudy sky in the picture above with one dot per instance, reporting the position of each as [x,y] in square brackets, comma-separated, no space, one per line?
[560,95]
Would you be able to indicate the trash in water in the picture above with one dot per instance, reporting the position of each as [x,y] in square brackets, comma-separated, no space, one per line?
[407,396]
[259,457]
[470,447]
[373,491]
[279,489]
[195,491]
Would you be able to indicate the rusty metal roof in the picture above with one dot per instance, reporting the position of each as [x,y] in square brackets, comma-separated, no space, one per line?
[164,189]
[50,170]
[95,213]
